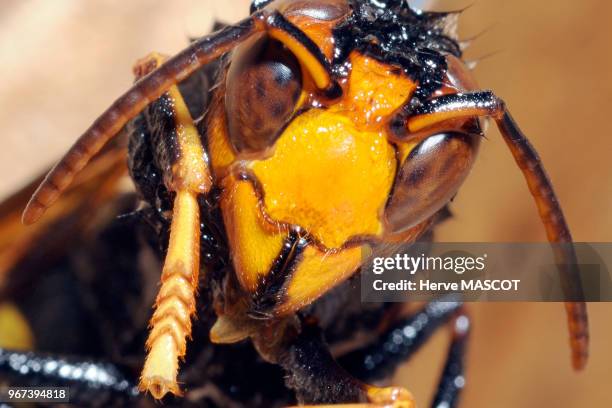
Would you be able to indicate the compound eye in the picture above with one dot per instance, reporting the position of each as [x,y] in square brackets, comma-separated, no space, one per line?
[429,178]
[323,10]
[264,84]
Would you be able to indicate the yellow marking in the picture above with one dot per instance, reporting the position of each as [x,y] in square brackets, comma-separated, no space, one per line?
[392,397]
[420,122]
[318,272]
[175,303]
[328,177]
[319,31]
[375,91]
[15,332]
[255,245]
[312,64]
[404,150]
[219,146]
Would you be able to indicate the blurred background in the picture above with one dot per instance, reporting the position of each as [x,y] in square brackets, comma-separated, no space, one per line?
[64,62]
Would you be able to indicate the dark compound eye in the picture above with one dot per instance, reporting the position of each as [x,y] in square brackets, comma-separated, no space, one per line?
[323,10]
[264,84]
[429,178]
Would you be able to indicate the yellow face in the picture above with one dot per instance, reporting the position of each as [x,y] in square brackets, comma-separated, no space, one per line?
[308,182]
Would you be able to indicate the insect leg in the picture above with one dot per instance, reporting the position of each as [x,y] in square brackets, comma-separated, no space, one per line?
[130,104]
[187,175]
[405,337]
[439,111]
[88,380]
[452,381]
[175,302]
[318,379]
[399,342]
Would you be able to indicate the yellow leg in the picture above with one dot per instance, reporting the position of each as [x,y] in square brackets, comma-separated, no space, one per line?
[175,303]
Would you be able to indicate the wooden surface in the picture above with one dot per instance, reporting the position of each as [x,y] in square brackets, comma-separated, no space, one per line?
[64,61]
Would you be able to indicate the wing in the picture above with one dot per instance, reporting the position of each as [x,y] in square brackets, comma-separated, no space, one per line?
[26,249]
